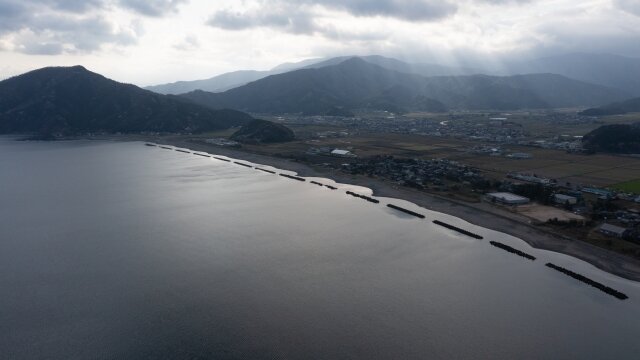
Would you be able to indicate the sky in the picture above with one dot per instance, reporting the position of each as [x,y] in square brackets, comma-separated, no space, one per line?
[149,42]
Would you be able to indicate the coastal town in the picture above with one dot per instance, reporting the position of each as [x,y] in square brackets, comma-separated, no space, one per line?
[496,161]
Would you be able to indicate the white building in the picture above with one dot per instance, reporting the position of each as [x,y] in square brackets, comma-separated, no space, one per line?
[342,153]
[507,198]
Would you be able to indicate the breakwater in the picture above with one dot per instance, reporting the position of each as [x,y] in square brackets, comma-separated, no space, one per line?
[242,164]
[183,151]
[293,177]
[512,250]
[265,170]
[316,183]
[406,211]
[166,147]
[369,199]
[148,144]
[221,159]
[455,228]
[203,155]
[331,187]
[586,280]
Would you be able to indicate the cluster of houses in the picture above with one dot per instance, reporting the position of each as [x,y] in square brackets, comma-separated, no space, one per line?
[415,172]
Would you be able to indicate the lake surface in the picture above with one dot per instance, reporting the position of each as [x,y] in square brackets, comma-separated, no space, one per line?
[122,251]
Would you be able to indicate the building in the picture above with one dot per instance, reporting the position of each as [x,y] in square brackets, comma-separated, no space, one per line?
[563,199]
[342,153]
[507,198]
[612,230]
[600,192]
[520,156]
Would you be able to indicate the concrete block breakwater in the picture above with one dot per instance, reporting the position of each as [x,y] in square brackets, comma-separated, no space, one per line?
[316,183]
[331,187]
[203,155]
[586,280]
[455,228]
[265,170]
[242,164]
[406,211]
[512,250]
[221,159]
[375,201]
[293,177]
[148,144]
[183,151]
[166,147]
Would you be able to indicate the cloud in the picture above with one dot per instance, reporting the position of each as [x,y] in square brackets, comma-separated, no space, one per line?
[299,17]
[411,10]
[290,19]
[153,8]
[630,6]
[51,27]
[190,42]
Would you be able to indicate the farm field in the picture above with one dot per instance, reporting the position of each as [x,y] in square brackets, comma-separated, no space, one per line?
[629,186]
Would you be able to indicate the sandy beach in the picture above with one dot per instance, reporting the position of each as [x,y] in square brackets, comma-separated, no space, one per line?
[481,214]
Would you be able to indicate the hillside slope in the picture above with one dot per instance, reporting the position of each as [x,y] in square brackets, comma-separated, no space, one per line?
[75,100]
[355,83]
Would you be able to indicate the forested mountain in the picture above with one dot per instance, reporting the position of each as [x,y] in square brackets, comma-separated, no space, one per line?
[616,138]
[356,83]
[75,100]
[235,79]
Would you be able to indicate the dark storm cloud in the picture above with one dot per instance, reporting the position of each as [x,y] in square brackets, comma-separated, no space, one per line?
[154,8]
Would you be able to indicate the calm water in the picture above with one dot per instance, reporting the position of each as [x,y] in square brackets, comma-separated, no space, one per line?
[118,250]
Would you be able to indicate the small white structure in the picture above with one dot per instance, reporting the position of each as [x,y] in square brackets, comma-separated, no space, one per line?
[563,199]
[612,230]
[342,153]
[507,198]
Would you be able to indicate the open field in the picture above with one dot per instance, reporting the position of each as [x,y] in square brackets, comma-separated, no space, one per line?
[595,170]
[629,186]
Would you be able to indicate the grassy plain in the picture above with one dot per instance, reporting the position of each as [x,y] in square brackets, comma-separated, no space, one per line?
[629,186]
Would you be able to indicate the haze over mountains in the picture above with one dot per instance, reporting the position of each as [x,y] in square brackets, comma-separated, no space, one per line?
[234,79]
[617,108]
[75,100]
[614,71]
[69,100]
[358,83]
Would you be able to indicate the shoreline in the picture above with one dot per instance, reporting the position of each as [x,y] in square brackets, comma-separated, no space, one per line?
[477,214]
[617,264]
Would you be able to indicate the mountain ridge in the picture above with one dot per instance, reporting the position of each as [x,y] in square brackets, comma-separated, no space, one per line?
[74,100]
[356,83]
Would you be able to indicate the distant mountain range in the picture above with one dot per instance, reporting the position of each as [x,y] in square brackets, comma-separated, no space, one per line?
[604,69]
[617,108]
[609,70]
[71,100]
[234,79]
[357,83]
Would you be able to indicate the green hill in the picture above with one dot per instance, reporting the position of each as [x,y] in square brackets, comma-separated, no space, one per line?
[616,138]
[263,132]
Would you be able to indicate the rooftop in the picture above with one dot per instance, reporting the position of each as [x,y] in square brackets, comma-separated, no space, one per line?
[508,196]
